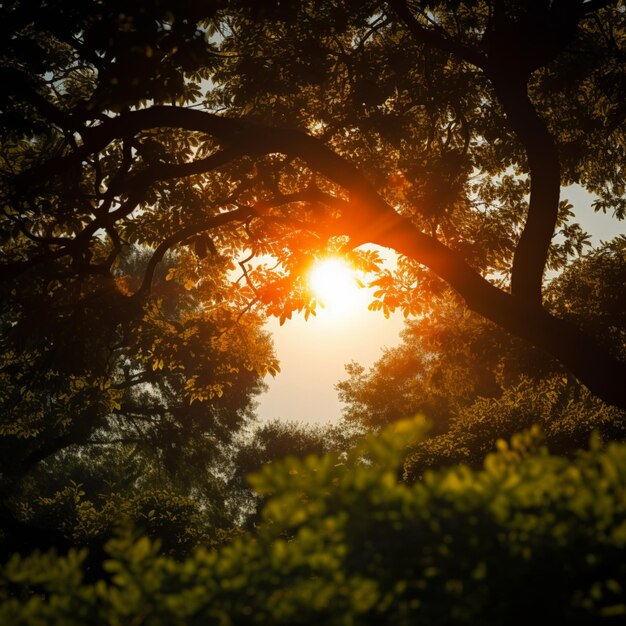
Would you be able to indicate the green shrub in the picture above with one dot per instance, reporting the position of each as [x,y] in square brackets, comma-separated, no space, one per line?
[345,541]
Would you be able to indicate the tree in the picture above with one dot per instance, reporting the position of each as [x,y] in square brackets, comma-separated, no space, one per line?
[477,384]
[271,443]
[121,401]
[442,130]
[445,361]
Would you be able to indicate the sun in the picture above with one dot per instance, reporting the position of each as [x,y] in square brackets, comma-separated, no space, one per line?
[334,284]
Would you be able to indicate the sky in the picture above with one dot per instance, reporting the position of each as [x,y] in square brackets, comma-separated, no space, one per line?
[313,353]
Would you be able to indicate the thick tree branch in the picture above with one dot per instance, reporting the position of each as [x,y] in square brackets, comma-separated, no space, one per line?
[545,186]
[168,171]
[244,136]
[508,58]
[592,6]
[590,363]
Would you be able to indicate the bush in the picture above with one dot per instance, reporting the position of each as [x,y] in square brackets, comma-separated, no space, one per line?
[345,541]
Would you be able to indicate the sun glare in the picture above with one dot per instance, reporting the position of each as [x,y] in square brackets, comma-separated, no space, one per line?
[334,284]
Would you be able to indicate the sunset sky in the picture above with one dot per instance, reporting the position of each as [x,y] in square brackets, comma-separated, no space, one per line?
[313,353]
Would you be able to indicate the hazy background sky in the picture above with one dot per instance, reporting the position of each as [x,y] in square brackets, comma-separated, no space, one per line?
[312,354]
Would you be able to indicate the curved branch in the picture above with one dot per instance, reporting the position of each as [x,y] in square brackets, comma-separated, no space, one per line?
[508,57]
[237,215]
[168,171]
[544,166]
[589,362]
[242,135]
[592,6]
[241,214]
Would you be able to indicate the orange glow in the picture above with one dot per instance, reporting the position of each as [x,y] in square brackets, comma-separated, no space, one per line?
[334,284]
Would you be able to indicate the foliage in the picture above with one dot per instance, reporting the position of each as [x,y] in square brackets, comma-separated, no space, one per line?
[477,384]
[178,522]
[529,536]
[445,361]
[591,294]
[152,151]
[275,135]
[566,413]
[70,365]
[277,440]
[123,398]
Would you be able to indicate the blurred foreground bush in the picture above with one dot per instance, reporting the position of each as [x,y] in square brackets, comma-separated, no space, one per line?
[343,540]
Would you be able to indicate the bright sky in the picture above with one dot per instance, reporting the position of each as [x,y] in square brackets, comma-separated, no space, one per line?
[312,354]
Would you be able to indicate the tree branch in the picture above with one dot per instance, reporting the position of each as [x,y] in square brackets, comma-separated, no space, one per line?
[238,215]
[434,38]
[168,171]
[592,6]
[589,362]
[531,252]
[245,136]
[220,219]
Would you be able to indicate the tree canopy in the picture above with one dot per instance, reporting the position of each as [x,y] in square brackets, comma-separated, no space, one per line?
[442,130]
[244,130]
[476,383]
[109,403]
